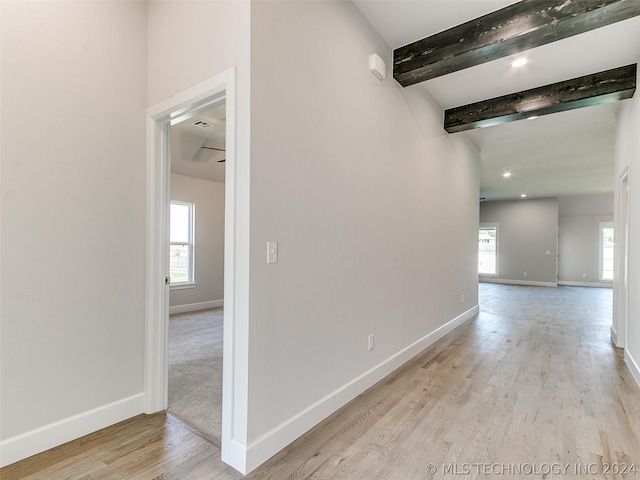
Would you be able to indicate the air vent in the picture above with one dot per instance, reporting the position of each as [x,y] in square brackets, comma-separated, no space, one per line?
[202,124]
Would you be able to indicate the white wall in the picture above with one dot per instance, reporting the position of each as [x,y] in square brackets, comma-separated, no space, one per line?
[209,239]
[191,41]
[73,219]
[598,204]
[374,206]
[628,157]
[375,211]
[528,229]
[579,237]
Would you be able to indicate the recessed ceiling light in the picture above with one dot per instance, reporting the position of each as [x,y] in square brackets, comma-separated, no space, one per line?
[532,117]
[524,195]
[506,174]
[519,62]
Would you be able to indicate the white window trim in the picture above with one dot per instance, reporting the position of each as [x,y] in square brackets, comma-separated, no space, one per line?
[601,227]
[183,286]
[191,248]
[497,227]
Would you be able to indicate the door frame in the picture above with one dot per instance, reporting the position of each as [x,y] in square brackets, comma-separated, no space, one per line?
[621,279]
[160,117]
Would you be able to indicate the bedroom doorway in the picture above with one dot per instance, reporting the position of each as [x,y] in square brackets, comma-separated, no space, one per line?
[196,270]
[175,109]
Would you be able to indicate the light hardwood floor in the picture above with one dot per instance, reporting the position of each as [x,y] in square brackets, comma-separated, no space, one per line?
[532,383]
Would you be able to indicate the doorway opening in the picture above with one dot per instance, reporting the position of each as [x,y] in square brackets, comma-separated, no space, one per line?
[196,270]
[160,119]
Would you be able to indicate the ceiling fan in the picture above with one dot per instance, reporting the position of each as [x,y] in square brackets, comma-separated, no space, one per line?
[218,149]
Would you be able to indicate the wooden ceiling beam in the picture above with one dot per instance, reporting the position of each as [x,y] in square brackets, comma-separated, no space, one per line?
[602,87]
[510,30]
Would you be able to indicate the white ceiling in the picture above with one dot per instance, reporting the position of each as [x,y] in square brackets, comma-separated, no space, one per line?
[401,22]
[187,155]
[560,154]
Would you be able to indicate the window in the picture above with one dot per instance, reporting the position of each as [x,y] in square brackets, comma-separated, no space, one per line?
[181,240]
[488,250]
[606,251]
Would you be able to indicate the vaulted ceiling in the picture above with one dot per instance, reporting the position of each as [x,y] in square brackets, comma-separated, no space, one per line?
[560,154]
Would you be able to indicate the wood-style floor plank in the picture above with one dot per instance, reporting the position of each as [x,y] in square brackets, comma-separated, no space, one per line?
[533,379]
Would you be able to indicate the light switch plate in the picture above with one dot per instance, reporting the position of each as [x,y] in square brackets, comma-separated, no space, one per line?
[272,252]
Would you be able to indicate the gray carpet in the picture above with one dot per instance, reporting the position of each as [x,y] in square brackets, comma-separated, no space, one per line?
[195,369]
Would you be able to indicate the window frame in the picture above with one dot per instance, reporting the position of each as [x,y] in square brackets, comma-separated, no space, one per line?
[486,226]
[601,227]
[191,247]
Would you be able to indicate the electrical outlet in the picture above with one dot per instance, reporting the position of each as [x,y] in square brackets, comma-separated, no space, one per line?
[462,300]
[584,275]
[524,274]
[371,342]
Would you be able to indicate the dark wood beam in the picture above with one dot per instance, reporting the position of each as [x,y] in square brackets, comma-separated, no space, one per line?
[515,28]
[603,87]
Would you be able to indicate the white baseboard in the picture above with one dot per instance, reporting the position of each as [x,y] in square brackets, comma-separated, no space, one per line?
[279,437]
[234,453]
[566,283]
[633,366]
[526,283]
[194,307]
[35,441]
[614,336]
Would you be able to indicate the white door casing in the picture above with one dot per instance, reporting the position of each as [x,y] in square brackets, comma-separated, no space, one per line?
[160,117]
